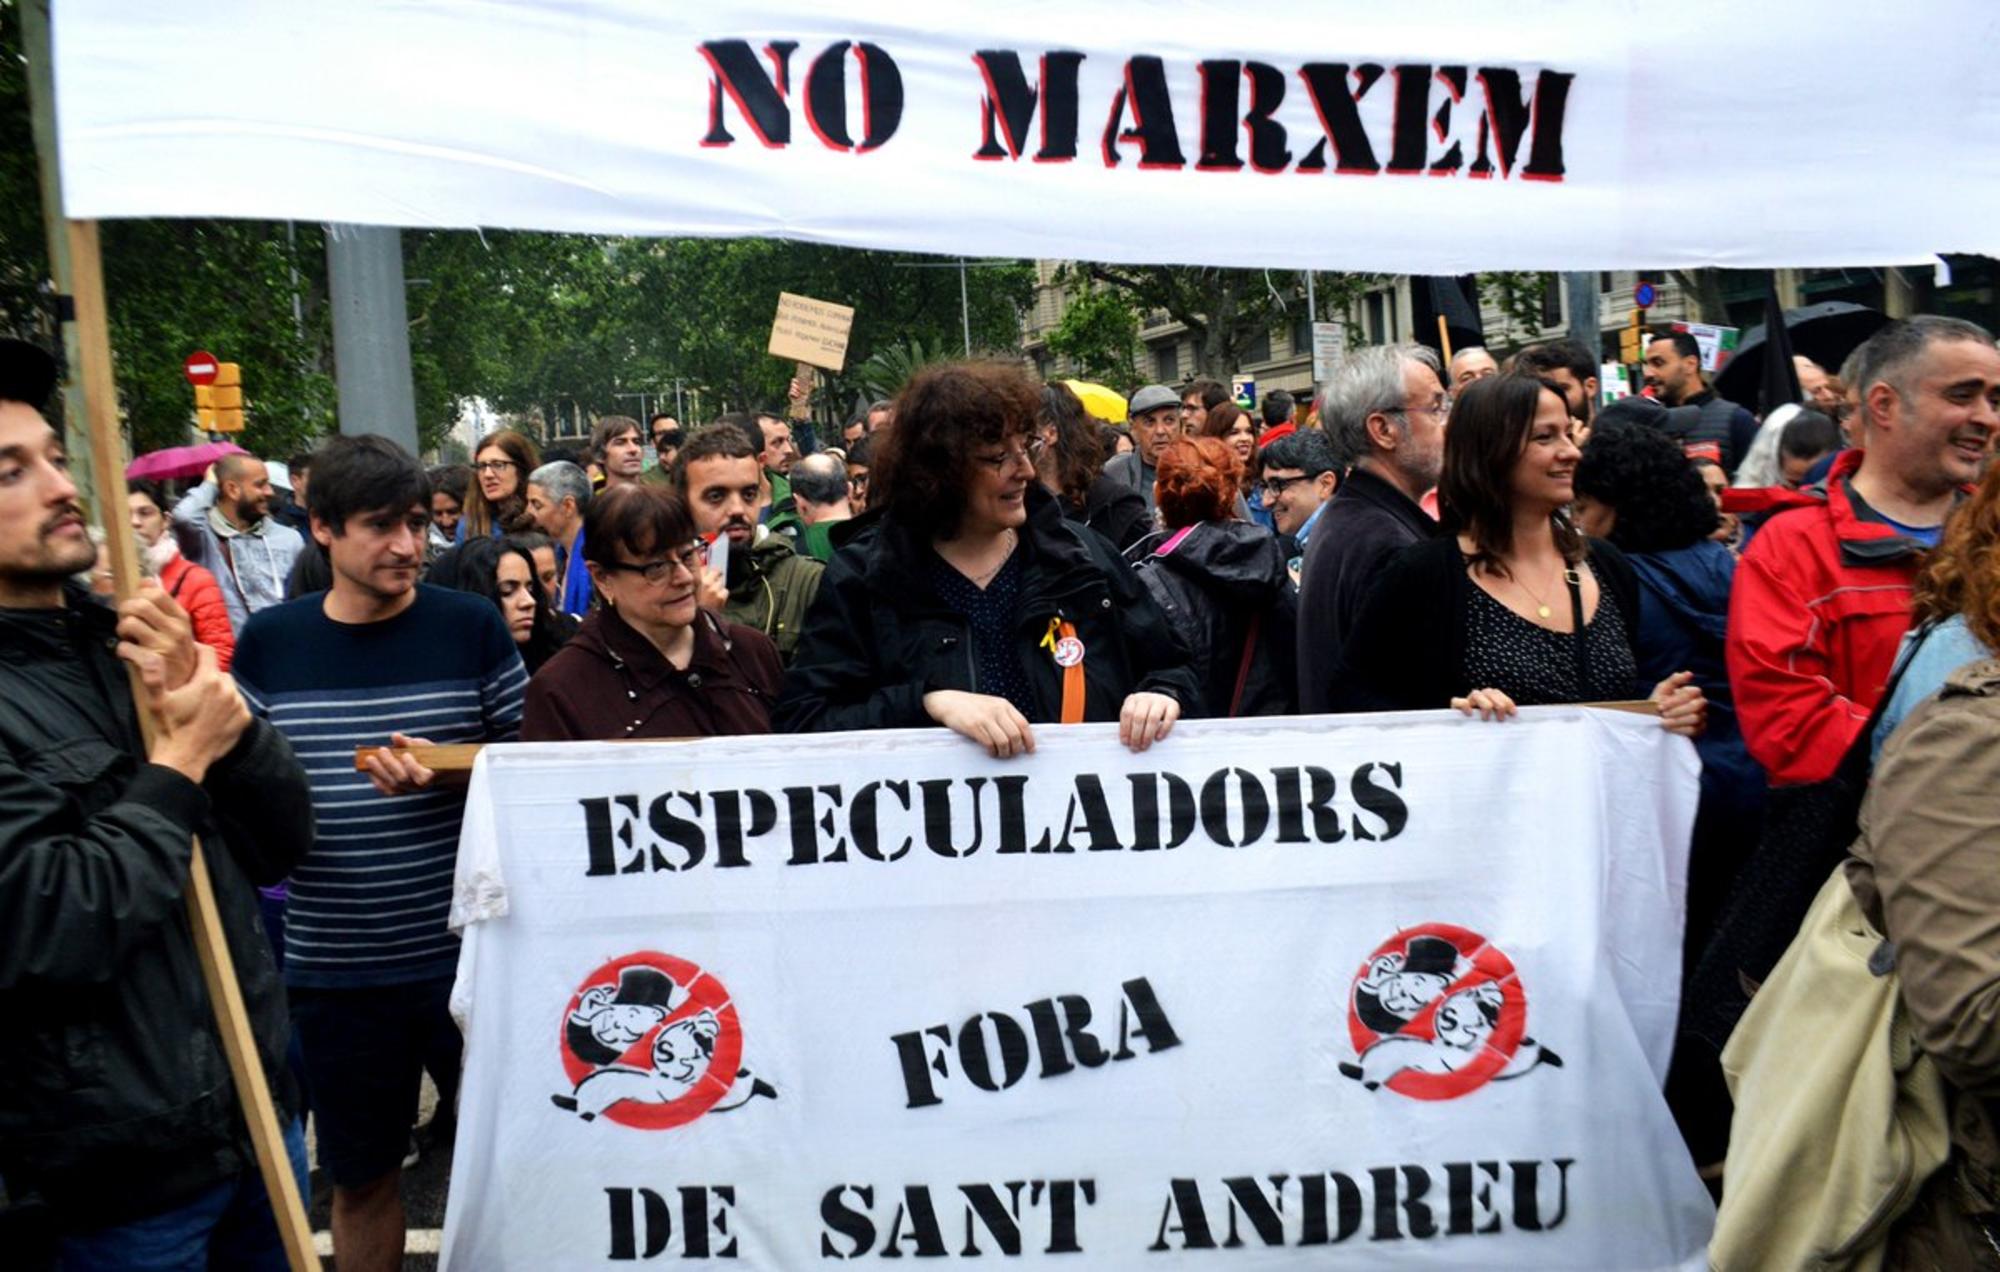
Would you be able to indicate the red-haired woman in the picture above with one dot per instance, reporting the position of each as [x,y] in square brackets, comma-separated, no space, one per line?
[971,602]
[1511,605]
[1222,582]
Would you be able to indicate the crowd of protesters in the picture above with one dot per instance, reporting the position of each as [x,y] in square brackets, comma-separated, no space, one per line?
[983,555]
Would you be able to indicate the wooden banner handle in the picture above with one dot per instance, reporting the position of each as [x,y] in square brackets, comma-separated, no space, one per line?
[801,408]
[218,970]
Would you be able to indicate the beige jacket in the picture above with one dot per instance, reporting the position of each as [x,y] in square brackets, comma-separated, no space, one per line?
[1926,871]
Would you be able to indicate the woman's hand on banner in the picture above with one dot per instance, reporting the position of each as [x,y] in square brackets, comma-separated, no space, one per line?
[151,622]
[992,722]
[1147,718]
[395,774]
[1683,706]
[1489,704]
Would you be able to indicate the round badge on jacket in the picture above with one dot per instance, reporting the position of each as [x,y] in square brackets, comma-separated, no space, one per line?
[1069,652]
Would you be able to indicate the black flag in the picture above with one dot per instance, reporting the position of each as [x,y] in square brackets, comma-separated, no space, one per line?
[1781,374]
[1456,300]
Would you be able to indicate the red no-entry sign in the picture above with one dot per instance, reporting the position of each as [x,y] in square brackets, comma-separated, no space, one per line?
[201,367]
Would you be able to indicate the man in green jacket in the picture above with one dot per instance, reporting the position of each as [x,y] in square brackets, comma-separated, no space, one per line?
[768,585]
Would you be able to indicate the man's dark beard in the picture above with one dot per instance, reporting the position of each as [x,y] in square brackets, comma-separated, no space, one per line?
[51,568]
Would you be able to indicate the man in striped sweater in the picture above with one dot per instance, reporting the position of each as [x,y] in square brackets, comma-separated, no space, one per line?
[369,959]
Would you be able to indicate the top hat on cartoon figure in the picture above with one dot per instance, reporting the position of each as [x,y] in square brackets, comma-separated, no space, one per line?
[1398,986]
[605,1023]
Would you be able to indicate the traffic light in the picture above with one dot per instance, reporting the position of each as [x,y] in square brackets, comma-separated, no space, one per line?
[229,391]
[218,407]
[1632,339]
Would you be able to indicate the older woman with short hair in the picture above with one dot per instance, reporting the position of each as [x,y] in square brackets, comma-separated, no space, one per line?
[649,662]
[970,602]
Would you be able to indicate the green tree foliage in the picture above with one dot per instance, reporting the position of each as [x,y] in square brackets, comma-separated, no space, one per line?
[1517,294]
[1225,311]
[884,372]
[1099,334]
[227,287]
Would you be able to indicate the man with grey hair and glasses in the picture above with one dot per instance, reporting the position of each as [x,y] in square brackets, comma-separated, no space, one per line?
[558,493]
[1385,409]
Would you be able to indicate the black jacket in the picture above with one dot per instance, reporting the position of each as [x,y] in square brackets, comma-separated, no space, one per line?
[115,1095]
[1366,524]
[1212,584]
[878,638]
[1114,510]
[1407,649]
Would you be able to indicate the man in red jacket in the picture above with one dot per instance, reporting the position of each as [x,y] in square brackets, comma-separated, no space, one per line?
[1822,596]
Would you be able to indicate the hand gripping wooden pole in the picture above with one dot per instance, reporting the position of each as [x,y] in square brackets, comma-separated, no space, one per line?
[232,1020]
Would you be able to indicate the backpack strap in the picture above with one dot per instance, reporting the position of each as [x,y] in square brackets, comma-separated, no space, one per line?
[1243,667]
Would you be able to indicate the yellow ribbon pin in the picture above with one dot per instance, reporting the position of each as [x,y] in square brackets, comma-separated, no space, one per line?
[1049,637]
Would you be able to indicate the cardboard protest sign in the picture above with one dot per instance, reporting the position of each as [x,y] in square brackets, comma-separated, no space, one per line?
[811,331]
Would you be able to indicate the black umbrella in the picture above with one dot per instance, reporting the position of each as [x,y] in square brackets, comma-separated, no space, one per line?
[1826,333]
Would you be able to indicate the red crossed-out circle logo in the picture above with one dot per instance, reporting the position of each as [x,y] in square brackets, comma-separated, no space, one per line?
[649,1041]
[1436,1012]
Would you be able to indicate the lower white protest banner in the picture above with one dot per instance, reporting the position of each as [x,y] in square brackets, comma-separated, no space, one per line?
[1394,989]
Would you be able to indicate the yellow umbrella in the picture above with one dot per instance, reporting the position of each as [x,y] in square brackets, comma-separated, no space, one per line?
[1106,404]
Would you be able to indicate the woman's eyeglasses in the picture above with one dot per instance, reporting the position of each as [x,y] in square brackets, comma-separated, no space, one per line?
[688,558]
[1031,452]
[494,465]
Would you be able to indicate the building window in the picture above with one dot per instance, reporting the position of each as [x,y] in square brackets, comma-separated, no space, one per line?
[1166,363]
[1302,336]
[1552,300]
[1375,320]
[1259,349]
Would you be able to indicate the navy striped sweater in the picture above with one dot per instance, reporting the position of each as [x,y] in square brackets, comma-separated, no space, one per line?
[369,902]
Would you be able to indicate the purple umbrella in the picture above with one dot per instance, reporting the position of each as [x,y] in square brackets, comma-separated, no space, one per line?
[176,462]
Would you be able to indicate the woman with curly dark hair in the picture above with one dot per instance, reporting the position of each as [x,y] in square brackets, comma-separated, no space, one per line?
[1071,465]
[966,599]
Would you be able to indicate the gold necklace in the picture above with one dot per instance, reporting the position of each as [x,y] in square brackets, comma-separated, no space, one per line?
[1542,609]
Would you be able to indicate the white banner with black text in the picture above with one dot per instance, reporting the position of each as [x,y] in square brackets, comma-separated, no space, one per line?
[1428,136]
[1397,989]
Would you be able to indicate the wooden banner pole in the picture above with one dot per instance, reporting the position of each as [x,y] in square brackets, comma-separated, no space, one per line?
[1444,343]
[232,1019]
